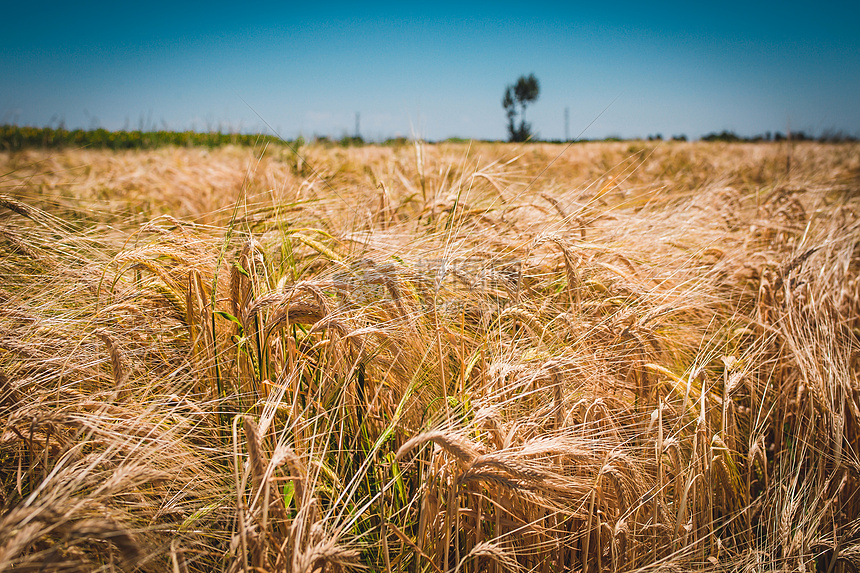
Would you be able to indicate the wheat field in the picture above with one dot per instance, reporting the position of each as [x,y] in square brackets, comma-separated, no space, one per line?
[431,358]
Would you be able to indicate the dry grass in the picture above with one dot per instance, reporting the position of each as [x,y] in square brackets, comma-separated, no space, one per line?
[431,359]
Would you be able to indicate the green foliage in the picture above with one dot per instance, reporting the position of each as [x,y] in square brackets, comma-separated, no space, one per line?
[351,141]
[525,91]
[732,137]
[398,141]
[727,136]
[15,138]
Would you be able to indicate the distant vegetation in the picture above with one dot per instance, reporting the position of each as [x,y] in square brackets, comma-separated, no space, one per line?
[13,137]
[828,136]
[520,94]
[16,138]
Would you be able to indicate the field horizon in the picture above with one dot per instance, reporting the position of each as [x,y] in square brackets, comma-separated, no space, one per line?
[610,356]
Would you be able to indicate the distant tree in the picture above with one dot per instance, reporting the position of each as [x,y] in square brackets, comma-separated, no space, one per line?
[725,135]
[522,93]
[833,135]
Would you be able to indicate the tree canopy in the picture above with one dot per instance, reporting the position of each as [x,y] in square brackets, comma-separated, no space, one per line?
[525,91]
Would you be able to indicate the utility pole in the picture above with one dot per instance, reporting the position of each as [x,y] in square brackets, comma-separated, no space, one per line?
[567,124]
[357,125]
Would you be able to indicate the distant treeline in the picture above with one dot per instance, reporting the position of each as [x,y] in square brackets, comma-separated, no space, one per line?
[15,138]
[828,136]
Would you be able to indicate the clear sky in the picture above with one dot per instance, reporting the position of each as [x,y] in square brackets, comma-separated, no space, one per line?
[433,69]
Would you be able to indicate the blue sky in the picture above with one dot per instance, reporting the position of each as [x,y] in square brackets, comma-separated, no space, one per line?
[433,69]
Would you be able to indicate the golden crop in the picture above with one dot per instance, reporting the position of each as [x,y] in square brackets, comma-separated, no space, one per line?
[431,358]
